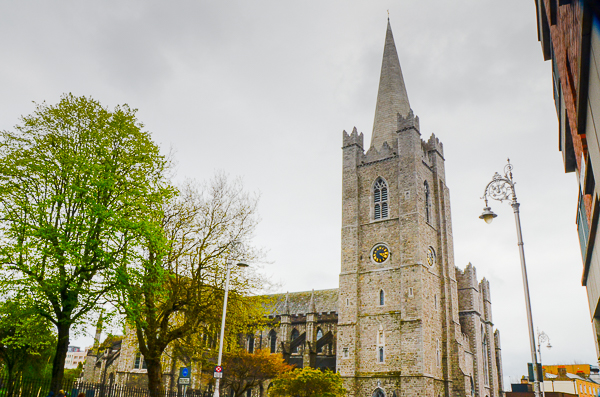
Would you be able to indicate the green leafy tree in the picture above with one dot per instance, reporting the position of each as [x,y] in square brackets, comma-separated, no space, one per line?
[176,288]
[308,382]
[25,340]
[245,371]
[76,180]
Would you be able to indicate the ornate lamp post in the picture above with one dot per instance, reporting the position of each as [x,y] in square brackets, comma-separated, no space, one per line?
[542,338]
[503,188]
[230,263]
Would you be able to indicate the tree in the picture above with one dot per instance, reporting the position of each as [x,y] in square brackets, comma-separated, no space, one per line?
[75,183]
[244,371]
[176,288]
[308,382]
[25,337]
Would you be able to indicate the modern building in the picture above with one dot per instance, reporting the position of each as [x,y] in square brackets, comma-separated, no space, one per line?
[404,320]
[569,32]
[571,383]
[75,356]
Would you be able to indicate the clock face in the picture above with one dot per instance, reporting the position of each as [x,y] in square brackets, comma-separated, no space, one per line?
[380,253]
[431,256]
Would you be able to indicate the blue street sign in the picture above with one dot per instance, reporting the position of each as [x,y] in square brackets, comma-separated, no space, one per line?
[184,372]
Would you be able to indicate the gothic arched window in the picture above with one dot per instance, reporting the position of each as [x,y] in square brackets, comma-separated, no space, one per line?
[295,334]
[438,353]
[381,298]
[378,393]
[380,199]
[484,356]
[250,343]
[273,340]
[319,336]
[427,202]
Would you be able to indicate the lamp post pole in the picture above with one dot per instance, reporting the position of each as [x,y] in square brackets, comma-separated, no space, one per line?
[503,188]
[542,338]
[229,264]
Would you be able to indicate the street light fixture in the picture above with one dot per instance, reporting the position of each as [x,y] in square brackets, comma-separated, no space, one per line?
[503,188]
[542,338]
[230,263]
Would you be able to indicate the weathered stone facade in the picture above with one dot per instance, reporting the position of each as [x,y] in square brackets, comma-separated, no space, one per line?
[399,326]
[404,321]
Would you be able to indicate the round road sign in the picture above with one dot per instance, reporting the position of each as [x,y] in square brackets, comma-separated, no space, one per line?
[218,368]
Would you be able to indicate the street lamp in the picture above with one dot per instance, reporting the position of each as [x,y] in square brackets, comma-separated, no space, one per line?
[503,188]
[543,338]
[230,263]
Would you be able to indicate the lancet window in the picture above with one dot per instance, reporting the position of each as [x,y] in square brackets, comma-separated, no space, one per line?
[273,341]
[378,393]
[295,334]
[427,202]
[381,298]
[380,199]
[484,356]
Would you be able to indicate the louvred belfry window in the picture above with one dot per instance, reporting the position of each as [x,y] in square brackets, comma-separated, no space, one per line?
[380,200]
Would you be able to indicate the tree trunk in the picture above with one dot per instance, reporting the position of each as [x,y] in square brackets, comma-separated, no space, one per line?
[60,356]
[155,384]
[11,377]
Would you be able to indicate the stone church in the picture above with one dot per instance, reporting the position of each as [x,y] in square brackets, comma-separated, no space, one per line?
[404,320]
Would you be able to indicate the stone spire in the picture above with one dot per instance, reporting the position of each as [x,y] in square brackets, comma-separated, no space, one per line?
[391,97]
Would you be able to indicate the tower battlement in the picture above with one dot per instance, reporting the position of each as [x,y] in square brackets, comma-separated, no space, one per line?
[353,138]
[410,121]
[434,144]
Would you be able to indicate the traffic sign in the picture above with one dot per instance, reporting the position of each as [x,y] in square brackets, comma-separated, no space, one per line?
[184,381]
[218,368]
[185,372]
[218,375]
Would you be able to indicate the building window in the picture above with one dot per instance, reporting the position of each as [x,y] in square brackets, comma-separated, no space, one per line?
[484,351]
[273,341]
[346,354]
[249,393]
[582,225]
[250,343]
[438,353]
[295,334]
[380,345]
[435,304]
[427,202]
[381,298]
[319,336]
[378,393]
[138,359]
[410,292]
[380,199]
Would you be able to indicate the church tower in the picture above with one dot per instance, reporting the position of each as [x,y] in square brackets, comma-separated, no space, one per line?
[399,332]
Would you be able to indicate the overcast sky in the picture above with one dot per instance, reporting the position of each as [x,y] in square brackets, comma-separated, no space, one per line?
[264,89]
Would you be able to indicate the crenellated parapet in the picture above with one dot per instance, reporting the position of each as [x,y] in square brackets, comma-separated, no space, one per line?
[434,145]
[484,287]
[373,154]
[467,278]
[409,122]
[353,139]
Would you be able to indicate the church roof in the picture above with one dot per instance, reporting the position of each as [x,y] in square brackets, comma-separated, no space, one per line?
[391,97]
[299,303]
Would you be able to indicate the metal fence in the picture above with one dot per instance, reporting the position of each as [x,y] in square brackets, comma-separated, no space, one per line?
[39,388]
